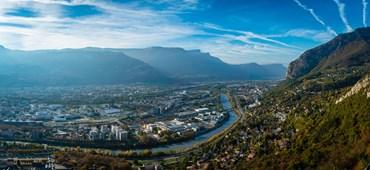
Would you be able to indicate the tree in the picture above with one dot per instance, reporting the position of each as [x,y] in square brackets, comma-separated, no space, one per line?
[146,153]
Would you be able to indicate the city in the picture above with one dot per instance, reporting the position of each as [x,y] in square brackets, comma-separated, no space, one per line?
[122,118]
[184,85]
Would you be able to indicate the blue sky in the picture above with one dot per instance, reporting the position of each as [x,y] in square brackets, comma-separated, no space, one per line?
[236,31]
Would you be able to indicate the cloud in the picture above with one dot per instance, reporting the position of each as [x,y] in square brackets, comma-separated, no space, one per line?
[316,17]
[364,12]
[342,14]
[118,26]
[132,26]
[249,35]
[236,46]
[247,51]
[315,35]
[237,53]
[177,5]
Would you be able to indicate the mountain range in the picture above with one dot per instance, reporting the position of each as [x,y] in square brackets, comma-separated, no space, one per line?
[73,67]
[98,66]
[195,65]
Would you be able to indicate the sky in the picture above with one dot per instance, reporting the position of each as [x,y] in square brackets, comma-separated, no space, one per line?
[236,31]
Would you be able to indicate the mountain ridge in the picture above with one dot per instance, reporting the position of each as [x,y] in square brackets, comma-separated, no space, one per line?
[74,67]
[345,50]
[327,105]
[114,66]
[193,63]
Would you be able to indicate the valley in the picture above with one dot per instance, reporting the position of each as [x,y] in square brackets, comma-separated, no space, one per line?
[121,120]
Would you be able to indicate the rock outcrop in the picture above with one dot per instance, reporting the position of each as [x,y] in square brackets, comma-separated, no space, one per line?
[363,84]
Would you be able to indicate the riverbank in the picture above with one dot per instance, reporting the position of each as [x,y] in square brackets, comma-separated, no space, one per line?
[221,134]
[176,148]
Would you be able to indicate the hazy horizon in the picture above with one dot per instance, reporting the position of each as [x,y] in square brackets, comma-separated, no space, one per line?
[50,49]
[234,31]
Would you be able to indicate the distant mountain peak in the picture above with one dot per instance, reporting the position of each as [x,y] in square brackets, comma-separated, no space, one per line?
[88,66]
[166,48]
[362,30]
[197,65]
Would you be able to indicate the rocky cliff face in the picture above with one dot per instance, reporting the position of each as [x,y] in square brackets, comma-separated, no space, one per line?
[362,85]
[350,49]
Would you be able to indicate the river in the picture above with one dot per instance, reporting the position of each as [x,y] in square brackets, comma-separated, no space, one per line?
[233,117]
